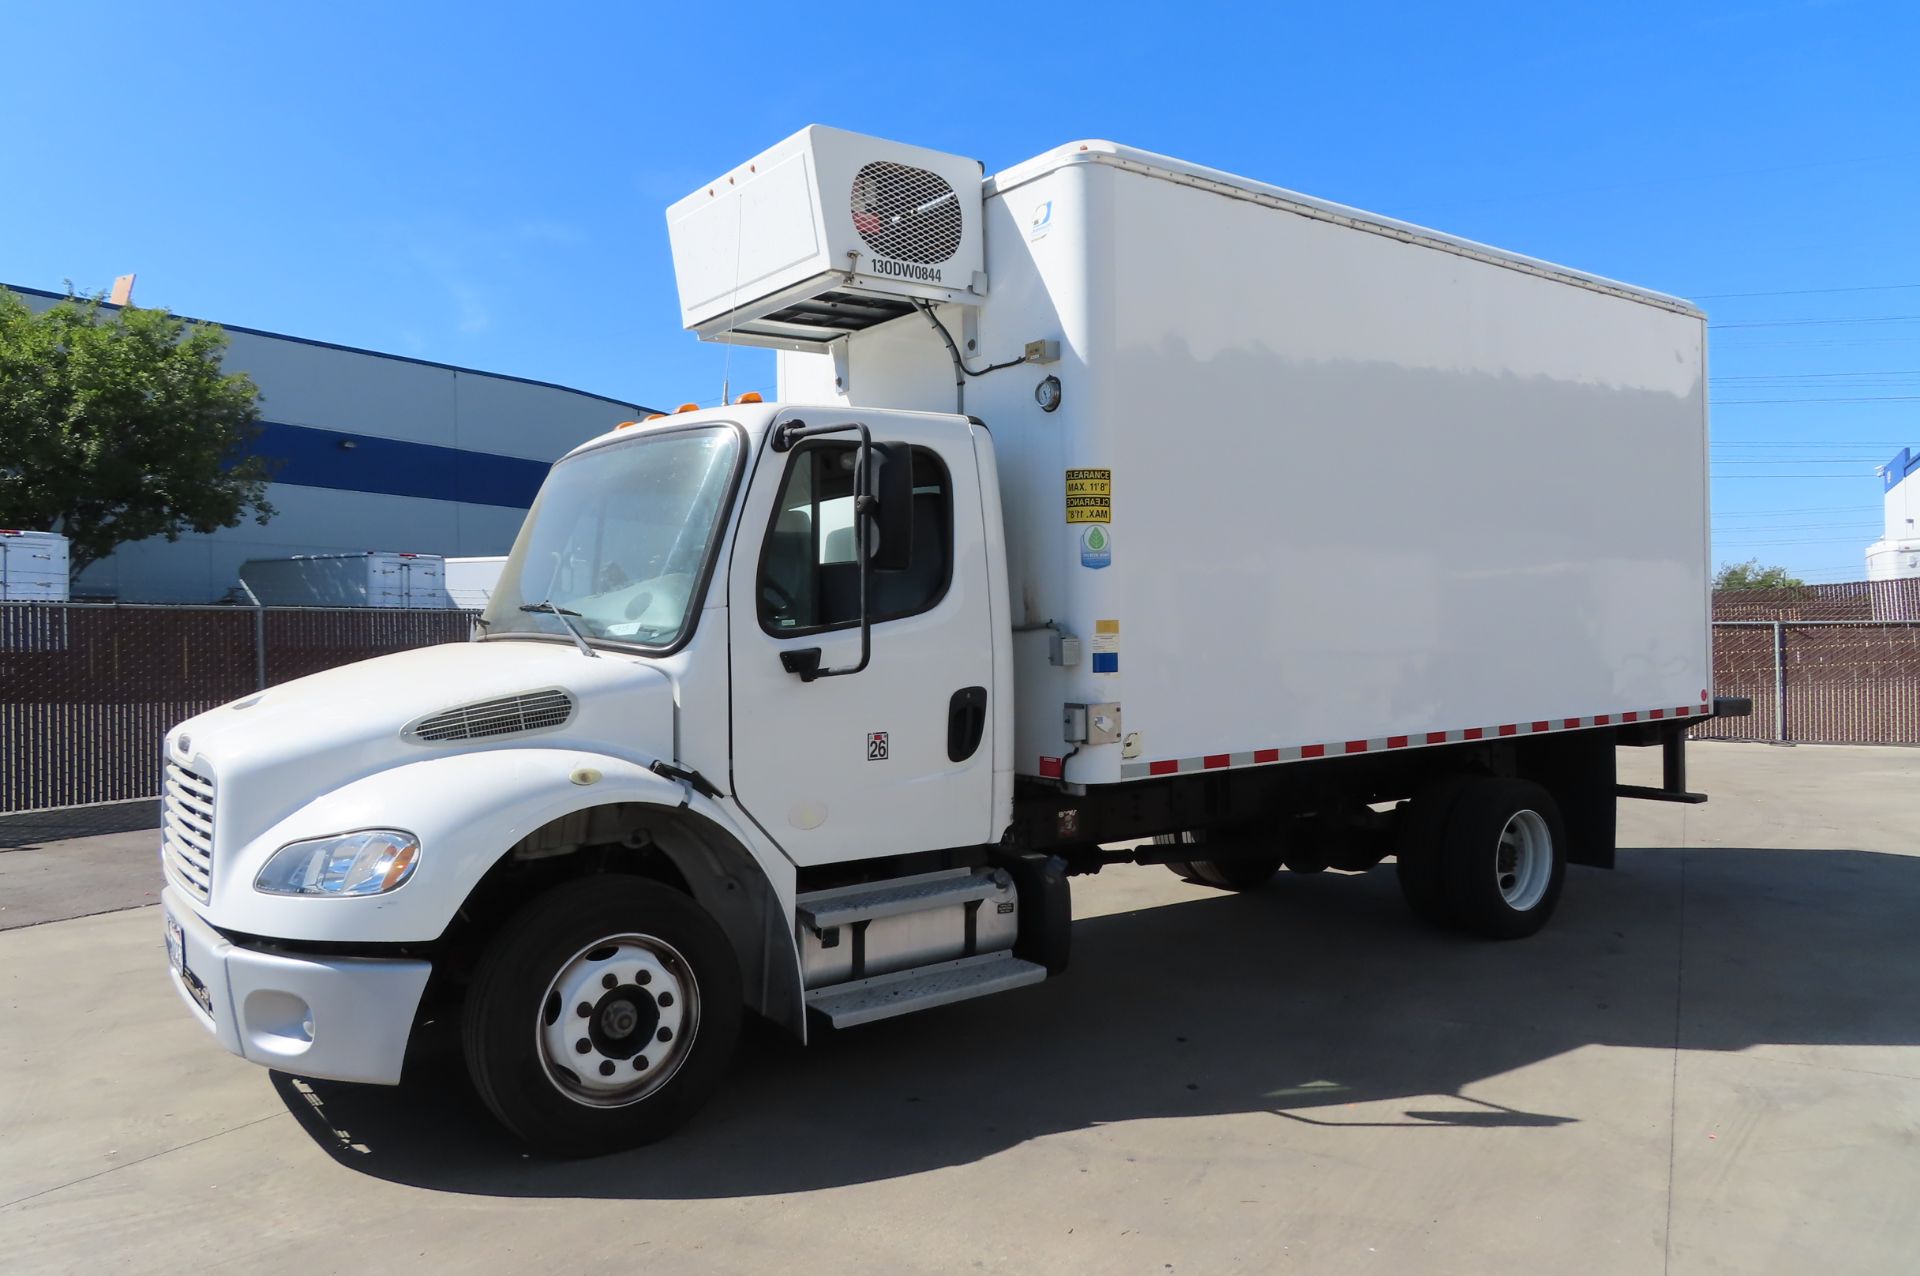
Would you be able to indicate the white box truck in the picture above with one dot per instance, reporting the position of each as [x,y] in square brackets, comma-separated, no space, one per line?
[1115,511]
[33,566]
[372,578]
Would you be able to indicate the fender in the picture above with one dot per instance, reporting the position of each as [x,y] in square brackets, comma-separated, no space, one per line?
[469,809]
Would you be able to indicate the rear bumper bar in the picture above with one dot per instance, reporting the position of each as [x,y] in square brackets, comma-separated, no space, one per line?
[1673,757]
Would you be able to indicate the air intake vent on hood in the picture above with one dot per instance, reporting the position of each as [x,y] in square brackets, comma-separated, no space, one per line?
[487,719]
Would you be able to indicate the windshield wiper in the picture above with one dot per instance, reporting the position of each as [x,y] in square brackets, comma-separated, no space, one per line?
[561,614]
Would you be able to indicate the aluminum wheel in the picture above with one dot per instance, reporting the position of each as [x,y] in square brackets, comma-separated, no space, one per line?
[1523,864]
[618,1020]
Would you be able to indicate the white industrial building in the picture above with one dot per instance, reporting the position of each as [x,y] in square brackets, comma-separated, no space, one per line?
[375,452]
[1896,555]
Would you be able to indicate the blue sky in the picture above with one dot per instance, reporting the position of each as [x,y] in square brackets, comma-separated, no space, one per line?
[484,184]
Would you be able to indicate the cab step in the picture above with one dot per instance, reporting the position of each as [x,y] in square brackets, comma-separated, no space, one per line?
[922,988]
[822,909]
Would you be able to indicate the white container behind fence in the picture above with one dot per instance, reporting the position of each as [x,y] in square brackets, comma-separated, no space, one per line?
[33,567]
[470,581]
[371,579]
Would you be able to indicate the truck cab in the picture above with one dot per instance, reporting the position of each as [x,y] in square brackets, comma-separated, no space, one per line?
[690,677]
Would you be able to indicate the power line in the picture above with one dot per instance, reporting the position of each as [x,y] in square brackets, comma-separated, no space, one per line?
[1804,323]
[1802,509]
[1797,292]
[1810,342]
[1769,376]
[1856,398]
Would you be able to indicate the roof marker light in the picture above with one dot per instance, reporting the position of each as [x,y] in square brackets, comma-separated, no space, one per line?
[751,396]
[688,407]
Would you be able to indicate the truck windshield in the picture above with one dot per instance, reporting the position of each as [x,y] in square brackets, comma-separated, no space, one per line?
[619,539]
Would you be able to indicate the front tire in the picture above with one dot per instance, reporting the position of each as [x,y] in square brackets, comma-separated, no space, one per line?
[602,1016]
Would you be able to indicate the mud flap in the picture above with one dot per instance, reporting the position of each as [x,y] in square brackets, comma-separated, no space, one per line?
[1578,769]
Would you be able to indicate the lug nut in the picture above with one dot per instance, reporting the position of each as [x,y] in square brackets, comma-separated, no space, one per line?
[644,977]
[586,1011]
[609,981]
[665,1034]
[666,999]
[606,1067]
[639,1063]
[582,1046]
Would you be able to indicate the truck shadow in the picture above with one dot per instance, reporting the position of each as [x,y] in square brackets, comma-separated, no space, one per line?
[1303,1001]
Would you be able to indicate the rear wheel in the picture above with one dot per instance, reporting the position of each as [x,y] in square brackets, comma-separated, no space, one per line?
[1237,874]
[602,1016]
[1484,855]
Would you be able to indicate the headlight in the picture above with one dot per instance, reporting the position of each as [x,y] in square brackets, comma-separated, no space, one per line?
[370,862]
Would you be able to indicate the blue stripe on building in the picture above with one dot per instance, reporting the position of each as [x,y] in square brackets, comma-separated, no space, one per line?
[312,457]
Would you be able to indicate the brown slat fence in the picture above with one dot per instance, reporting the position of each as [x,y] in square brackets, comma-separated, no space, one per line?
[87,690]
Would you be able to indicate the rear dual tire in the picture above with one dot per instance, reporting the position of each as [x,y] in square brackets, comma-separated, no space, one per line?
[1483,855]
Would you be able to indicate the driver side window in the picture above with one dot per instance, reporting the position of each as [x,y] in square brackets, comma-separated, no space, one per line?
[809,568]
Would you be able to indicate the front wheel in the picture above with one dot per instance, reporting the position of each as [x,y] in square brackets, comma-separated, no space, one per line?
[602,1016]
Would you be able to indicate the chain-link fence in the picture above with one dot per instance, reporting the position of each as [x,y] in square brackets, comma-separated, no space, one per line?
[87,689]
[1819,681]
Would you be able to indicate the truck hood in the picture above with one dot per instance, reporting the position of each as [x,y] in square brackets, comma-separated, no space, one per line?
[269,753]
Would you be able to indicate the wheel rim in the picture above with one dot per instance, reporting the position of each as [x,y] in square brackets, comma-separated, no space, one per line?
[618,1020]
[1523,864]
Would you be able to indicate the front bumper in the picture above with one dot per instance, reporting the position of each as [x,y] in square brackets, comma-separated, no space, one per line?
[342,1018]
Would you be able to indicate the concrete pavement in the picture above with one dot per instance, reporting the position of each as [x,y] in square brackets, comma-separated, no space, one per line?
[1710,1061]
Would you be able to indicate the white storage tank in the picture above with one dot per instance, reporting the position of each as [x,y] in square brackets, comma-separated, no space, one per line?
[33,567]
[374,578]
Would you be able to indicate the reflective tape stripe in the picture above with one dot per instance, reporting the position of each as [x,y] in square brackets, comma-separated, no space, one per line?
[1295,753]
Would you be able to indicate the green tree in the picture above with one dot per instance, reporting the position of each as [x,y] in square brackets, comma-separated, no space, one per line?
[1751,575]
[118,425]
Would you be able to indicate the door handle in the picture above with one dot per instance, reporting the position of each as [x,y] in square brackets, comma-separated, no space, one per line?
[966,722]
[804,661]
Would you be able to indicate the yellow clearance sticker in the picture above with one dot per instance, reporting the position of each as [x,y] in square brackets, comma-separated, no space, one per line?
[1089,496]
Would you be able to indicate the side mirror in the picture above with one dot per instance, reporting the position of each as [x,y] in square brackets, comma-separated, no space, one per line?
[890,535]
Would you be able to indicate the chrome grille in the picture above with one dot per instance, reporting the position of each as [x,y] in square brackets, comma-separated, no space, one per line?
[906,213]
[485,719]
[186,824]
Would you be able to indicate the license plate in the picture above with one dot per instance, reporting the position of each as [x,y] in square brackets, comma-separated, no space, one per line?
[177,958]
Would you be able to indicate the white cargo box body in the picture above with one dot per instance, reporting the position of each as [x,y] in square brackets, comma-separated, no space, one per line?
[1364,487]
[371,579]
[33,567]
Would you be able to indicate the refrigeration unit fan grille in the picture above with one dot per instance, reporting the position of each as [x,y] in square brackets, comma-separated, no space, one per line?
[906,213]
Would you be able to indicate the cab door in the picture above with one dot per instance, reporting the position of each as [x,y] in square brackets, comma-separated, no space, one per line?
[899,756]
